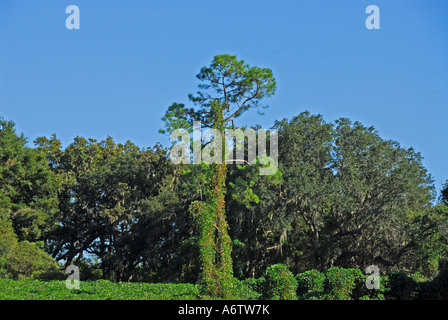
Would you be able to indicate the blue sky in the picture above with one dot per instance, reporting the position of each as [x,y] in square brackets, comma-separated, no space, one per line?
[131,59]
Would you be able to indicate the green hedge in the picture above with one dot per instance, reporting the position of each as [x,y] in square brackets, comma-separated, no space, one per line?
[22,259]
[246,289]
[256,285]
[279,284]
[310,284]
[436,289]
[338,284]
[401,286]
[350,284]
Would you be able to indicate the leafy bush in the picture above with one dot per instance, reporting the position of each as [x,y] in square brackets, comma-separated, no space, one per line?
[419,277]
[245,289]
[256,285]
[280,283]
[436,289]
[440,285]
[337,283]
[310,284]
[22,260]
[340,283]
[401,286]
[361,292]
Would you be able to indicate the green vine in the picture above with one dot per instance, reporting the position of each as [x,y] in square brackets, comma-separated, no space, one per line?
[215,243]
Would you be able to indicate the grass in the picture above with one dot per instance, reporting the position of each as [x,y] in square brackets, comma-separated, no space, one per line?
[96,290]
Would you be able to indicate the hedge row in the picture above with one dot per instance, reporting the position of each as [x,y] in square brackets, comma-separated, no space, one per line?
[338,284]
[279,283]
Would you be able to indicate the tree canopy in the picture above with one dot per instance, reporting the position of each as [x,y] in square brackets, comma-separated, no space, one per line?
[342,197]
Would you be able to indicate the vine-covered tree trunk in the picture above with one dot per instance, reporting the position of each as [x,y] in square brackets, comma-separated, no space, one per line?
[230,87]
[215,242]
[223,241]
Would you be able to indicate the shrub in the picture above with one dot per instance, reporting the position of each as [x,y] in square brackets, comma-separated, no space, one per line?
[245,289]
[440,284]
[280,283]
[310,284]
[23,259]
[361,292]
[341,283]
[436,289]
[418,277]
[256,285]
[401,286]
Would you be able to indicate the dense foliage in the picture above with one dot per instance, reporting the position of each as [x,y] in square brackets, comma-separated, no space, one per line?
[229,87]
[279,283]
[96,290]
[342,199]
[23,259]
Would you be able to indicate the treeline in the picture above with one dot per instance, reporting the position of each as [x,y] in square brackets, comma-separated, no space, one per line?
[342,197]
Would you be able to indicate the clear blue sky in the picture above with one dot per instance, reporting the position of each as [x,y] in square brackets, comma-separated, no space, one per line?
[131,59]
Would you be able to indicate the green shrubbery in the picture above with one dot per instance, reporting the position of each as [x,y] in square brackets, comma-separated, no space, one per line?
[255,285]
[436,289]
[362,293]
[96,290]
[340,283]
[245,290]
[343,284]
[277,283]
[23,259]
[347,284]
[401,286]
[280,283]
[310,284]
